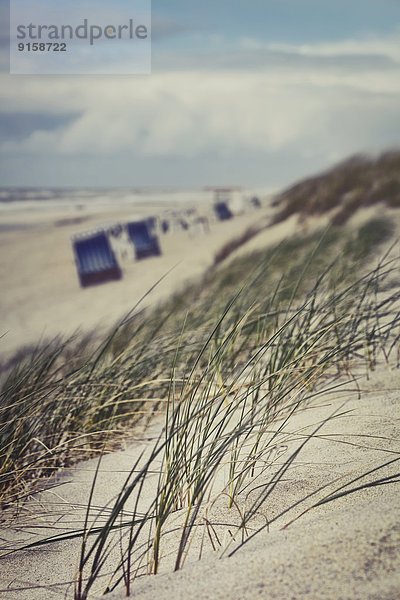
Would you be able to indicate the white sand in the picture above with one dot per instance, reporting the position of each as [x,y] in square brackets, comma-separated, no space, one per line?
[346,549]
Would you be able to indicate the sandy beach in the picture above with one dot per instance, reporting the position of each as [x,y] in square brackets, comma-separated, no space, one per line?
[200,300]
[345,549]
[41,295]
[348,548]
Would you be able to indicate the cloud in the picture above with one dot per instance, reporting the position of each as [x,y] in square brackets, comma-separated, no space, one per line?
[189,112]
[370,47]
[177,113]
[314,107]
[19,126]
[218,52]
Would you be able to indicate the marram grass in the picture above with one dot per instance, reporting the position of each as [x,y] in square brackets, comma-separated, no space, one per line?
[228,375]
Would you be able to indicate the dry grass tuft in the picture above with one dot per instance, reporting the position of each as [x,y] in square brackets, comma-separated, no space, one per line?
[358,182]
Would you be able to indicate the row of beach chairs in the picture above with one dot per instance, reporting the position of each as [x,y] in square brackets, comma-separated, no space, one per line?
[98,253]
[95,254]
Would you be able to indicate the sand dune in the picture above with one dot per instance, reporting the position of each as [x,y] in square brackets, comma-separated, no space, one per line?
[348,548]
[345,549]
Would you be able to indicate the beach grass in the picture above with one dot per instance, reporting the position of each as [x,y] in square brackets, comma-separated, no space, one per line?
[358,182]
[227,361]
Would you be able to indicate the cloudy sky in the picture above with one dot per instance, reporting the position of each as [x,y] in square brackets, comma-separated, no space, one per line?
[247,92]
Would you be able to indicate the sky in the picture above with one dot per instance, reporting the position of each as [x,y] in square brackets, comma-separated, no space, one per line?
[257,93]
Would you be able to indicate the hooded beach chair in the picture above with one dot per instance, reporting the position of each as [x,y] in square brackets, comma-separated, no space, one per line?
[222,211]
[228,202]
[95,259]
[143,239]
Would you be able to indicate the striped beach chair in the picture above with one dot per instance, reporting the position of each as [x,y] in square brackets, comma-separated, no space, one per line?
[94,258]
